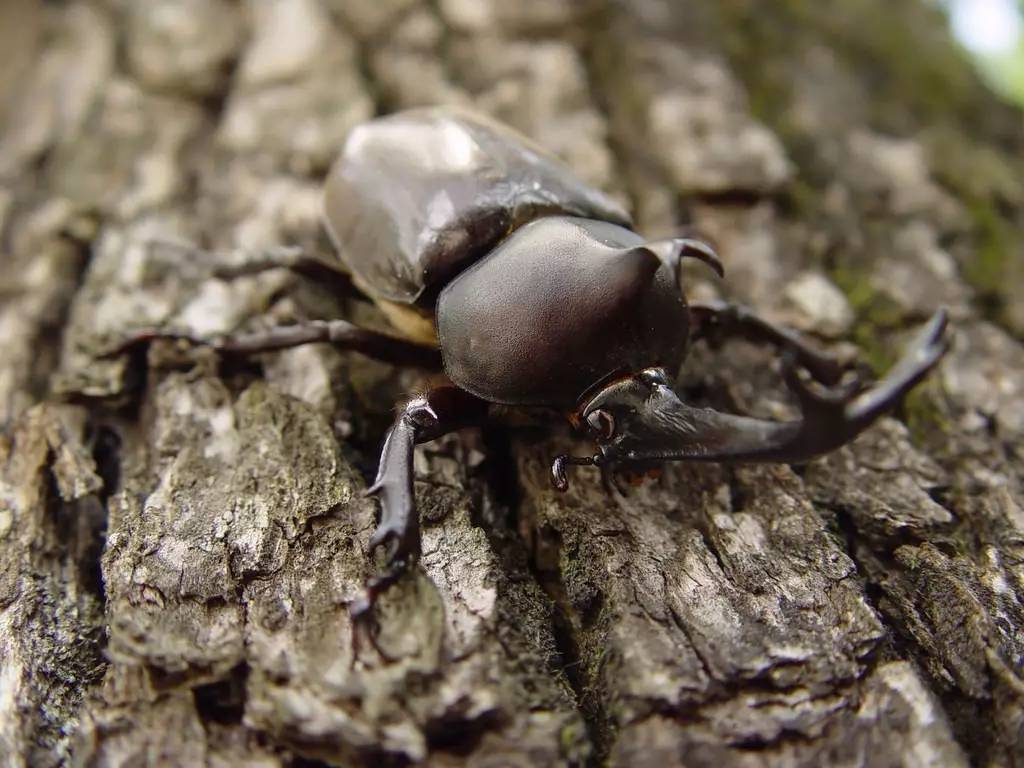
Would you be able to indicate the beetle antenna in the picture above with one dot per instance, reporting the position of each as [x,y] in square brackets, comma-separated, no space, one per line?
[558,478]
[672,252]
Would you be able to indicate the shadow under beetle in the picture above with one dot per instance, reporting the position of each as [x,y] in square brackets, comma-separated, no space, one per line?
[529,288]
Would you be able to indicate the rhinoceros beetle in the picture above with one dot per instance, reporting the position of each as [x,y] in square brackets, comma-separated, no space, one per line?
[528,288]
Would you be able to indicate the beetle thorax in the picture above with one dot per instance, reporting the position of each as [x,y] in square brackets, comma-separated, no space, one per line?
[558,306]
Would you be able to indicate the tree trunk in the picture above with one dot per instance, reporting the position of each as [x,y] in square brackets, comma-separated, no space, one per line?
[180,535]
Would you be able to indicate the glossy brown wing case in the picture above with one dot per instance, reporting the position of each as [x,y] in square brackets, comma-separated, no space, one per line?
[416,197]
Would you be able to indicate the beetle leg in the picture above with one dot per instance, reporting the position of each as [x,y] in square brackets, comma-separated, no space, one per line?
[718,319]
[423,419]
[241,262]
[292,258]
[340,333]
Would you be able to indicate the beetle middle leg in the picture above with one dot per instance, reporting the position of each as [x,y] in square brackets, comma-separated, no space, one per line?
[424,418]
[293,259]
[719,319]
[340,333]
[228,265]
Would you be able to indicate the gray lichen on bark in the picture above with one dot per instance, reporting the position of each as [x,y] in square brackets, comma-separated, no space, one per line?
[180,536]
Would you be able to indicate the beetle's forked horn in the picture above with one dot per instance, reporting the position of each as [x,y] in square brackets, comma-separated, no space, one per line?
[672,252]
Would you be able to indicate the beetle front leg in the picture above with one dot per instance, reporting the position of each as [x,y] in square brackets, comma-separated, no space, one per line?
[423,419]
[716,320]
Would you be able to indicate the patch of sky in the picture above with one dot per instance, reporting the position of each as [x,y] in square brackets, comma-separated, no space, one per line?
[992,31]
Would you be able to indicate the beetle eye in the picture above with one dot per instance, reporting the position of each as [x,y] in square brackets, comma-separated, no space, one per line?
[602,424]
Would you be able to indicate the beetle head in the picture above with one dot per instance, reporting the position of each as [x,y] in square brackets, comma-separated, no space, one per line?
[636,422]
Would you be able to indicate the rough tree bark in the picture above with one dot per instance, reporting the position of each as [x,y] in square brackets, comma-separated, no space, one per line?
[179,535]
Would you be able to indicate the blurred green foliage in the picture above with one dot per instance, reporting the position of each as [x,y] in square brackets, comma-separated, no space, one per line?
[1005,71]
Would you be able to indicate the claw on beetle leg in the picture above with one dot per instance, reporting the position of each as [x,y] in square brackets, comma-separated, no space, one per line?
[362,616]
[421,420]
[361,613]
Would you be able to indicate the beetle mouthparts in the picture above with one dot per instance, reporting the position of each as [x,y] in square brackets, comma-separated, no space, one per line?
[558,478]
